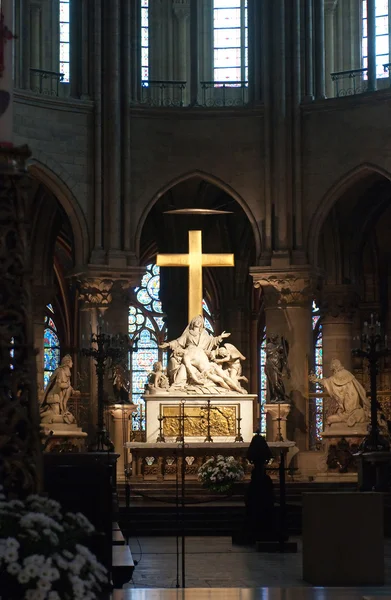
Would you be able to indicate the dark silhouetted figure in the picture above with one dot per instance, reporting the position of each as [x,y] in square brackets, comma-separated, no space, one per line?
[260,512]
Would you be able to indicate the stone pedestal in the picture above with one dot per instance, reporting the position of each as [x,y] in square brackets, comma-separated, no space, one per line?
[119,434]
[343,540]
[60,437]
[341,442]
[276,422]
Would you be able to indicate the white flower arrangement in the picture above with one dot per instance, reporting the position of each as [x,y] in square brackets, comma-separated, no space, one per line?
[219,473]
[40,557]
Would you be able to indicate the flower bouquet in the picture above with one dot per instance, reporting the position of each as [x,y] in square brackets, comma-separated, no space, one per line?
[40,554]
[219,473]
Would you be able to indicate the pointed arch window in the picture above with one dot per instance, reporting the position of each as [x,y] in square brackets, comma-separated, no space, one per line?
[318,369]
[64,51]
[262,384]
[147,329]
[382,37]
[51,345]
[230,42]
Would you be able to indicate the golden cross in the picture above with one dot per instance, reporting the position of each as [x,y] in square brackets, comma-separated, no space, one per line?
[195,260]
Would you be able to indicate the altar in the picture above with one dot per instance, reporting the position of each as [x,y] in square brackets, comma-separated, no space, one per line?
[226,418]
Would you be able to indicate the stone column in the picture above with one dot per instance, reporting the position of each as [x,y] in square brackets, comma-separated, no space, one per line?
[371,22]
[119,434]
[330,6]
[287,301]
[319,51]
[181,10]
[6,72]
[194,70]
[309,50]
[337,306]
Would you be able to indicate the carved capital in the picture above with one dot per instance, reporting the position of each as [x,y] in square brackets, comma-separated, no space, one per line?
[181,9]
[281,288]
[95,293]
[338,302]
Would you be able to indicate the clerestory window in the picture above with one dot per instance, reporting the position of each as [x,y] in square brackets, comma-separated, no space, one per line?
[382,37]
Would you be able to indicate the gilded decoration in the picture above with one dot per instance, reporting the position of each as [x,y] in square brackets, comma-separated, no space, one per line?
[223,420]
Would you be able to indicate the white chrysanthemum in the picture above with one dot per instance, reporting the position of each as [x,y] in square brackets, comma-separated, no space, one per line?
[13,568]
[23,577]
[10,555]
[32,520]
[68,554]
[12,543]
[44,585]
[61,562]
[53,595]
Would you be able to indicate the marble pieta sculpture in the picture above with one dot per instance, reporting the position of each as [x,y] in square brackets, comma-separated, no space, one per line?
[54,407]
[198,364]
[349,403]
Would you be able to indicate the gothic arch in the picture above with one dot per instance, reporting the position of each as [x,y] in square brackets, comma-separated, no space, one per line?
[331,197]
[210,179]
[69,203]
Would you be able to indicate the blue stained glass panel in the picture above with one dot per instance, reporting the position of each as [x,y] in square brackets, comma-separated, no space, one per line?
[262,384]
[153,287]
[206,307]
[160,322]
[208,325]
[149,324]
[50,338]
[157,306]
[50,307]
[143,297]
[51,359]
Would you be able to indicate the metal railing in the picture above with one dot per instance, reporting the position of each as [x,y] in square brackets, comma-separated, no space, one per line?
[166,93]
[356,83]
[163,93]
[224,93]
[45,82]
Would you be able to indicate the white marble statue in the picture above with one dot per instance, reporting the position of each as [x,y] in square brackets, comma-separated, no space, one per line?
[198,361]
[54,407]
[157,379]
[350,404]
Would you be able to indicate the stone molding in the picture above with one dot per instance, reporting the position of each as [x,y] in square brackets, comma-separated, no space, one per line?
[53,102]
[294,286]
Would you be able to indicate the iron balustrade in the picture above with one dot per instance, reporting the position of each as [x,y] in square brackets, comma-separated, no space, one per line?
[224,93]
[163,93]
[356,78]
[45,82]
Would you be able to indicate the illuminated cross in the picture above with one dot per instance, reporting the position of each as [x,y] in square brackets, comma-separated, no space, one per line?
[195,260]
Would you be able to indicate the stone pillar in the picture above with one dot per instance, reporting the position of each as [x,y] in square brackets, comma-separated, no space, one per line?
[287,301]
[309,50]
[330,6]
[119,434]
[337,306]
[371,23]
[319,50]
[194,70]
[6,72]
[181,9]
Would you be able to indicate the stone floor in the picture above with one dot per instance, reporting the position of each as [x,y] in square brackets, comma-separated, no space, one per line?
[217,570]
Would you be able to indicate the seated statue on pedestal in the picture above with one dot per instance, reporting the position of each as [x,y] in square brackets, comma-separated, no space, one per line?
[349,402]
[197,361]
[58,391]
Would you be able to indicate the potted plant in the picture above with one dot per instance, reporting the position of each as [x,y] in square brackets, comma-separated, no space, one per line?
[219,473]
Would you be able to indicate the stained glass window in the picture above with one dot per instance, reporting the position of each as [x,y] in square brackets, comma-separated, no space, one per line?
[146,330]
[64,40]
[207,314]
[318,369]
[382,37]
[262,384]
[230,28]
[144,40]
[51,346]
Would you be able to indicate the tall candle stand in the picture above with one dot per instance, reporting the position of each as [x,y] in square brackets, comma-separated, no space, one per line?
[104,346]
[373,346]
